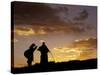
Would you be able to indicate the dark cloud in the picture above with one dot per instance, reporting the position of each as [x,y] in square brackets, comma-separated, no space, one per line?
[49,18]
[82,15]
[30,13]
[62,11]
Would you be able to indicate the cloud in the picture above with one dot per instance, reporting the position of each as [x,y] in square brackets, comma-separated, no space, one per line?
[88,48]
[47,18]
[89,43]
[32,30]
[81,49]
[61,11]
[80,45]
[83,15]
[30,13]
[24,32]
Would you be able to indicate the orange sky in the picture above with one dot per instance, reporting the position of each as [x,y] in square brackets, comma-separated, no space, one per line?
[70,32]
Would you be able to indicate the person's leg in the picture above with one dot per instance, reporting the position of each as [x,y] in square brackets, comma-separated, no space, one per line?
[29,62]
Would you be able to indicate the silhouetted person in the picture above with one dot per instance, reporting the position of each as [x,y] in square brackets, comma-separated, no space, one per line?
[44,54]
[29,54]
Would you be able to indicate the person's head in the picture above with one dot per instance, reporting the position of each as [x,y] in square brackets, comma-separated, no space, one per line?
[32,45]
[43,43]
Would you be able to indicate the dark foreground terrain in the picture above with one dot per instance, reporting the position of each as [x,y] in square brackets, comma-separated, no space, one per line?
[63,66]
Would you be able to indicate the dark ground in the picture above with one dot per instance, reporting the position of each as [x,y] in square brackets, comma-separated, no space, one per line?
[63,66]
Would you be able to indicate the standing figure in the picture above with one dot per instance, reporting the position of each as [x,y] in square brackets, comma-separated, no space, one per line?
[44,54]
[29,54]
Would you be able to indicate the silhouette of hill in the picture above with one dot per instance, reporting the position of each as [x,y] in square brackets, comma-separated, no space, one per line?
[63,66]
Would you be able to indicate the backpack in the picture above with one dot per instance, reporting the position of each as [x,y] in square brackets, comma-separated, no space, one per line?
[26,53]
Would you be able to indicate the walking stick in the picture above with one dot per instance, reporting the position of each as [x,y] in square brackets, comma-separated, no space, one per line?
[52,56]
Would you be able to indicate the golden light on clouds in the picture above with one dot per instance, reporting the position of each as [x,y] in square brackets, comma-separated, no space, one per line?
[64,48]
[67,54]
[77,40]
[75,53]
[28,32]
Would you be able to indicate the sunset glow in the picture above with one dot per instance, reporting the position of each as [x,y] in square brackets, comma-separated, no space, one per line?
[70,32]
[25,33]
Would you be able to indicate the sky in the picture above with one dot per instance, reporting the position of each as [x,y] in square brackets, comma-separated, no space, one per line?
[69,31]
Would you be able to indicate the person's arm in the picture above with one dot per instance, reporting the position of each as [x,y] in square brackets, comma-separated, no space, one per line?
[48,49]
[35,47]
